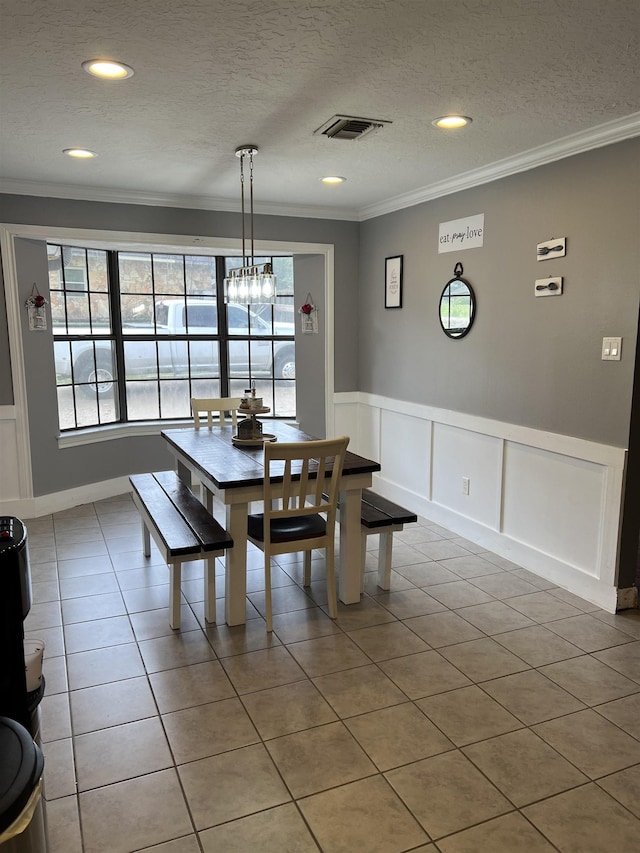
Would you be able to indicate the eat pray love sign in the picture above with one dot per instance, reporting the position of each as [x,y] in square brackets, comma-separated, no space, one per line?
[460,234]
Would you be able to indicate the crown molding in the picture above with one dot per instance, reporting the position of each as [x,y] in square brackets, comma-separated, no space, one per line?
[577,143]
[45,189]
[617,130]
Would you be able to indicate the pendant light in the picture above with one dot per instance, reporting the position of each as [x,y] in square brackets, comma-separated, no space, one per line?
[250,284]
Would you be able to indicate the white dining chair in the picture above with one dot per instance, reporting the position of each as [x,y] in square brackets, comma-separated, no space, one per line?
[214,406]
[301,485]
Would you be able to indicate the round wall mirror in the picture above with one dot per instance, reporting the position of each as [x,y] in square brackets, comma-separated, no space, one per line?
[457,305]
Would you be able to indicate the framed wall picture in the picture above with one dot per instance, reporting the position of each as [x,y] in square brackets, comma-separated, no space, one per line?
[393,282]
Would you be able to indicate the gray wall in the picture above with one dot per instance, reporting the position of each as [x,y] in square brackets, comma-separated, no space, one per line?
[529,361]
[309,277]
[6,387]
[56,469]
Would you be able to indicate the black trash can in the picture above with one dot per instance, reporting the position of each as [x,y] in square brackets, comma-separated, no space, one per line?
[22,819]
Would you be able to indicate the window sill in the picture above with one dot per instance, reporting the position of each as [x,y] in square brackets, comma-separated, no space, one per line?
[112,432]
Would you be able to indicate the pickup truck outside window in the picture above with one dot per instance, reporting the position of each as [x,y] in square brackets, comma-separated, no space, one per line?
[136,335]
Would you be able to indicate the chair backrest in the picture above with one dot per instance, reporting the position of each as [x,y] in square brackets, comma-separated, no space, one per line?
[214,405]
[309,472]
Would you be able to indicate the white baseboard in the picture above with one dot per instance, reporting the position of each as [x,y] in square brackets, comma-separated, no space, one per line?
[58,501]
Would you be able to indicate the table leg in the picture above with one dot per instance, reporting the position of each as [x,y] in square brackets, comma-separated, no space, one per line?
[235,563]
[350,546]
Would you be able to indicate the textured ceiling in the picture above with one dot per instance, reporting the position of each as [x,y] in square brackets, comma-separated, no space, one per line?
[212,75]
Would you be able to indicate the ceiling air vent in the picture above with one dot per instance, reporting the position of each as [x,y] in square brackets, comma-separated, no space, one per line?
[349,127]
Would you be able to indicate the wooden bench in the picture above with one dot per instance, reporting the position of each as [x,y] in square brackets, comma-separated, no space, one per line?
[382,516]
[183,530]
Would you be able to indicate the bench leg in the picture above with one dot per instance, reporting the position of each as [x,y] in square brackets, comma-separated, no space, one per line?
[363,552]
[210,589]
[175,572]
[384,560]
[146,540]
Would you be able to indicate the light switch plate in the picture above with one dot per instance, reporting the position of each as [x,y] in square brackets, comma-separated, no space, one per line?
[611,349]
[549,286]
[556,248]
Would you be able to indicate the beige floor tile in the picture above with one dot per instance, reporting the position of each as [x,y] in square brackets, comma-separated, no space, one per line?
[442,549]
[483,659]
[397,735]
[409,602]
[208,730]
[470,566]
[447,793]
[362,615]
[459,593]
[537,645]
[55,717]
[590,742]
[45,615]
[427,574]
[60,776]
[262,669]
[320,758]
[121,752]
[532,697]
[284,599]
[627,621]
[83,587]
[81,550]
[251,784]
[273,831]
[543,607]
[536,580]
[151,598]
[84,567]
[357,691]
[110,825]
[589,680]
[98,634]
[586,820]
[625,713]
[305,624]
[624,659]
[588,633]
[239,639]
[145,577]
[468,715]
[327,654]
[53,639]
[503,585]
[523,766]
[100,666]
[443,629]
[45,591]
[290,708]
[188,686]
[63,826]
[505,834]
[381,642]
[574,600]
[186,844]
[495,617]
[54,670]
[93,607]
[625,788]
[151,624]
[423,674]
[397,582]
[106,705]
[365,815]
[180,649]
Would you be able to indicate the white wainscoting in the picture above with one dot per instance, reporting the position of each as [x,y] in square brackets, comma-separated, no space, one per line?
[9,474]
[550,503]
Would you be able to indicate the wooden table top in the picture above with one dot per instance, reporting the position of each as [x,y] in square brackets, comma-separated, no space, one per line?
[231,466]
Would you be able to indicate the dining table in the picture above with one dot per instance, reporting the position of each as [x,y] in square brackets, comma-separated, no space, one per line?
[234,474]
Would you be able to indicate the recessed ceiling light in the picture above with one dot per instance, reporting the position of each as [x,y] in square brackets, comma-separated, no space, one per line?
[451,122]
[107,69]
[80,153]
[333,179]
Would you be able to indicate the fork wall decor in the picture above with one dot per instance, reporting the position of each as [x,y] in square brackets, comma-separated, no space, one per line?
[555,248]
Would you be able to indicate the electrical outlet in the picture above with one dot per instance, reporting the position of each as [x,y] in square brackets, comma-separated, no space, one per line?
[465,485]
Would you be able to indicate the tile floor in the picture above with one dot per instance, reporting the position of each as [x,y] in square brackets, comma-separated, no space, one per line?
[474,707]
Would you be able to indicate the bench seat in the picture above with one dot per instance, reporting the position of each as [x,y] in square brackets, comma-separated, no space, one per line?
[182,529]
[382,516]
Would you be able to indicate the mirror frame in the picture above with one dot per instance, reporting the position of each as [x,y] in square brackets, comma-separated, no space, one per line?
[457,276]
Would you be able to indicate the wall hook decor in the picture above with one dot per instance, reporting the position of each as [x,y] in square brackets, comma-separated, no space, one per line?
[309,316]
[35,305]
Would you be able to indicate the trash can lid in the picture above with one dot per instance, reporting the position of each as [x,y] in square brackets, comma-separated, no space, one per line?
[21,767]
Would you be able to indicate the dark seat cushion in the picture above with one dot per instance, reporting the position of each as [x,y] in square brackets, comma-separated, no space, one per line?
[288,529]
